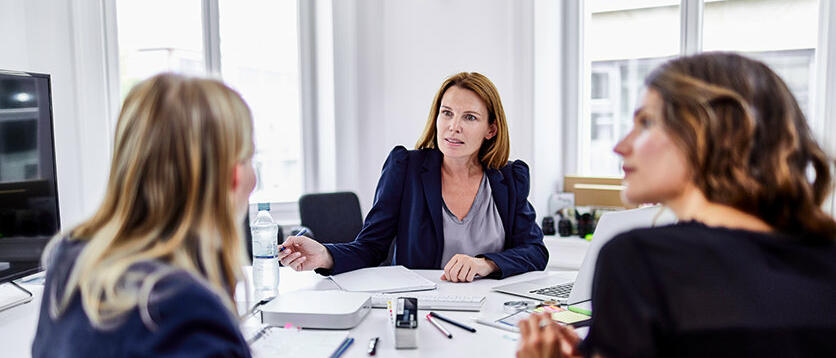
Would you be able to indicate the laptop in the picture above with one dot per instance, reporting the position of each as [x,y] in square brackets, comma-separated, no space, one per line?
[565,291]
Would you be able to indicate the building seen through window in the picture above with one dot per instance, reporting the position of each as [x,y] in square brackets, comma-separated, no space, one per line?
[628,39]
[259,58]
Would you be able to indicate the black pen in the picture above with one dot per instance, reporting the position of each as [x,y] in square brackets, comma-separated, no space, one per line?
[457,324]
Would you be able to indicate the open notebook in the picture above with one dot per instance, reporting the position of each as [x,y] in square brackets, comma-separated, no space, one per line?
[277,342]
[383,279]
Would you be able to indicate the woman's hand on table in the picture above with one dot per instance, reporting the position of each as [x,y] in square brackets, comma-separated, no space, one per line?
[464,268]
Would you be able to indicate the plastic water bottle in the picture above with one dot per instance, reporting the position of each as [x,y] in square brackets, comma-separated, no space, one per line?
[265,254]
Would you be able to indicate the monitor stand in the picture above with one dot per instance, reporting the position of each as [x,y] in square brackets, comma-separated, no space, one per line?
[17,302]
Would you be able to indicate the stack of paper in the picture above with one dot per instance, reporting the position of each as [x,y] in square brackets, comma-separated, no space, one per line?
[383,279]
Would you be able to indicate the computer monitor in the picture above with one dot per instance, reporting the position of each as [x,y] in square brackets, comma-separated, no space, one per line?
[28,190]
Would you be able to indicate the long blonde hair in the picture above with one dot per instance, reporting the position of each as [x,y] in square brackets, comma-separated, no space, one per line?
[168,199]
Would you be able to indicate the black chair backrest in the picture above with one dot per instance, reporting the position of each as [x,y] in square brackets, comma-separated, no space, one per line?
[248,237]
[333,217]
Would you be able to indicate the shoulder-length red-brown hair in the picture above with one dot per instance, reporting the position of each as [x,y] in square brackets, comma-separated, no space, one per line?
[747,141]
[494,152]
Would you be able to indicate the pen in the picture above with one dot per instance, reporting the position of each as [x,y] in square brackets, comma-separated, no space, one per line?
[450,321]
[254,309]
[342,348]
[440,328]
[580,310]
[501,325]
[373,345]
[300,233]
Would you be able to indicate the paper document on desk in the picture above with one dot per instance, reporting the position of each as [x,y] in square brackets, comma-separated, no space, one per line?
[275,342]
[383,279]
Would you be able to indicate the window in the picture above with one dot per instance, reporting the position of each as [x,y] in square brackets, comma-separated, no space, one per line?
[259,57]
[782,34]
[172,43]
[625,40]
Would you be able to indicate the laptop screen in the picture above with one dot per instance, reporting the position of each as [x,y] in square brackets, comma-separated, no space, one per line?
[609,225]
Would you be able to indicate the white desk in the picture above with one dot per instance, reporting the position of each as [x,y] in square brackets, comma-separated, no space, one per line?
[486,342]
[18,324]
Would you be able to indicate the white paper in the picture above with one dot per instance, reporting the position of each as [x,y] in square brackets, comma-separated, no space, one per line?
[383,279]
[280,342]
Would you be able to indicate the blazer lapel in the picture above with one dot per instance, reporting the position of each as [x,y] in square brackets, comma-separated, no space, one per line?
[499,188]
[431,180]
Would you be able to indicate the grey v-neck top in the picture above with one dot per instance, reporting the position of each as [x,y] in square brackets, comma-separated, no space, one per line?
[481,230]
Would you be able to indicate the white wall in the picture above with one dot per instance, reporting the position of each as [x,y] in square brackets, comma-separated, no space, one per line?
[392,56]
[63,39]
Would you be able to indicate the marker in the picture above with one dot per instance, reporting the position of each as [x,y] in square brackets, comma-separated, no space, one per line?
[580,310]
[440,328]
[450,321]
[300,233]
[342,348]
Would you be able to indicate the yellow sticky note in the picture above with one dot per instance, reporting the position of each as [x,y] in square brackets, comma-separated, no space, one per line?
[568,317]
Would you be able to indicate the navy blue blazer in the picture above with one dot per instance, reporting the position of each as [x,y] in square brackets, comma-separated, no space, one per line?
[407,208]
[189,319]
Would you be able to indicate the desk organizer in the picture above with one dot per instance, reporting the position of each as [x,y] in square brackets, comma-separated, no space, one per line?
[403,321]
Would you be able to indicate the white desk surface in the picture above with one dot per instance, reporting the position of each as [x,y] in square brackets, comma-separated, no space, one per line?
[486,342]
[18,324]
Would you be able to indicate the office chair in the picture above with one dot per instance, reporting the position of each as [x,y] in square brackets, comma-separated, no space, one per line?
[248,237]
[333,217]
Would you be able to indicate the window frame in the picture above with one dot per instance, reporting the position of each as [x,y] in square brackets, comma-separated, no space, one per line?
[315,36]
[572,18]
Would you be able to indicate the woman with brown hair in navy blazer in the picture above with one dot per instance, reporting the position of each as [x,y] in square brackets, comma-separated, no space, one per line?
[453,203]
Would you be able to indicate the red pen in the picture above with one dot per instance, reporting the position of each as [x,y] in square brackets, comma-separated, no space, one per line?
[440,328]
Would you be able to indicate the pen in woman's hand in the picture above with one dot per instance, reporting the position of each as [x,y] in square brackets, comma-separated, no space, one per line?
[300,233]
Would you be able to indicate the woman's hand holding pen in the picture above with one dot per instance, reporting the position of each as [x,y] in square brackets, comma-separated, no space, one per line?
[464,268]
[303,253]
[541,337]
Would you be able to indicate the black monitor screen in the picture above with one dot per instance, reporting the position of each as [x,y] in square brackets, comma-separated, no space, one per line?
[28,192]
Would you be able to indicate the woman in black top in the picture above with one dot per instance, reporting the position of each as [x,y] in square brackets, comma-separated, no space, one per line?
[750,270]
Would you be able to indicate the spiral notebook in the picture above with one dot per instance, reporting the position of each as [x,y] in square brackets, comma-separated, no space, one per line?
[277,342]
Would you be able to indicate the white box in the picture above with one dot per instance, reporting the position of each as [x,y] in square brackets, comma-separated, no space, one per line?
[330,309]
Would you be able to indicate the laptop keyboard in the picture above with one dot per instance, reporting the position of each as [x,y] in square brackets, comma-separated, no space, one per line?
[559,291]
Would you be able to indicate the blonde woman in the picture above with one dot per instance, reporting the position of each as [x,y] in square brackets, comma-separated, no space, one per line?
[454,203]
[152,273]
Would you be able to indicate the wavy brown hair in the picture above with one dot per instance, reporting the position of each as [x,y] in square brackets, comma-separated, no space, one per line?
[747,141]
[494,152]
